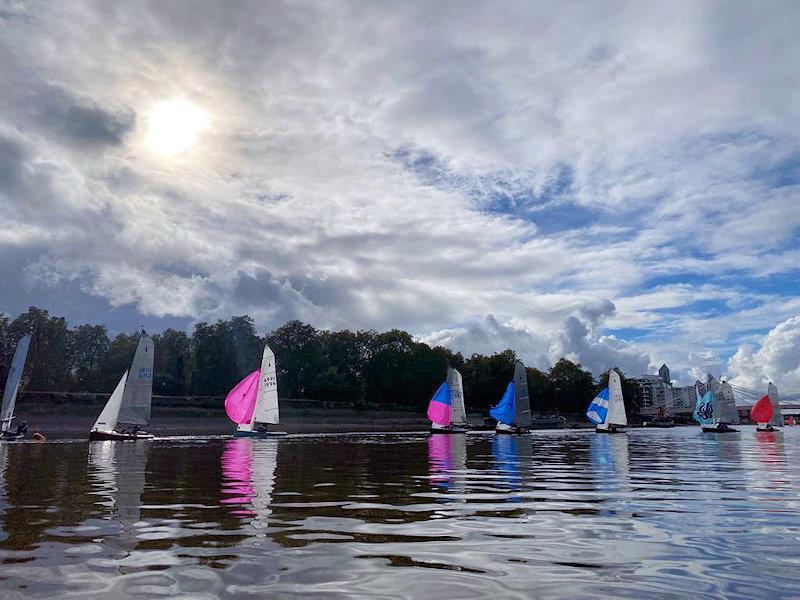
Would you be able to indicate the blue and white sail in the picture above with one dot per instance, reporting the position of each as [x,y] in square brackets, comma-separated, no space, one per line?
[505,410]
[705,407]
[598,409]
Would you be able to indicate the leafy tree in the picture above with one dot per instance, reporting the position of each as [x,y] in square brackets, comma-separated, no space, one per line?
[90,345]
[48,366]
[117,361]
[572,386]
[171,363]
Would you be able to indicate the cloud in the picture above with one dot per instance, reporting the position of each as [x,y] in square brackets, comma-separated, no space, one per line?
[608,183]
[776,359]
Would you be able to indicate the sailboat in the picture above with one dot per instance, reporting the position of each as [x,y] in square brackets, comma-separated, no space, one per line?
[513,412]
[766,412]
[253,403]
[607,410]
[10,393]
[712,411]
[129,406]
[447,405]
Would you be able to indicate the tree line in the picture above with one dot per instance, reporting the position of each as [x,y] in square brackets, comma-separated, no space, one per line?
[368,368]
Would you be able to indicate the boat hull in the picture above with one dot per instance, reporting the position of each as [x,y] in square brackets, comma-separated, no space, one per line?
[614,430]
[768,428]
[447,431]
[258,434]
[513,431]
[11,437]
[717,429]
[117,436]
[659,424]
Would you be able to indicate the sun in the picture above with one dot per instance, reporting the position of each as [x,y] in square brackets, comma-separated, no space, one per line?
[173,126]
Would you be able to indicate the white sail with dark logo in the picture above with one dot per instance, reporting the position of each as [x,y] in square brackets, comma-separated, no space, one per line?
[459,414]
[266,408]
[137,398]
[13,382]
[522,404]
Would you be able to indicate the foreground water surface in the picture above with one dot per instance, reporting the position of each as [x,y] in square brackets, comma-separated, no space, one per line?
[657,513]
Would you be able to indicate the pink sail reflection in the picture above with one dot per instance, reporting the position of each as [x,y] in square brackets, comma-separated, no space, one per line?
[237,475]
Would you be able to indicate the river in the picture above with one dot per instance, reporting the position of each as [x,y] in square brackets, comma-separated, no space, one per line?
[557,514]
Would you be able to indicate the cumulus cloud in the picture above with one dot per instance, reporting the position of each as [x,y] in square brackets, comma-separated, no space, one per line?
[611,184]
[776,359]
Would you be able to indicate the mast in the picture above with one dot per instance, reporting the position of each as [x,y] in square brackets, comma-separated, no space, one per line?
[266,409]
[457,394]
[107,420]
[137,398]
[13,382]
[522,405]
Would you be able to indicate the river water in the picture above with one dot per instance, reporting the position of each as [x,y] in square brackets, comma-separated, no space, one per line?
[557,514]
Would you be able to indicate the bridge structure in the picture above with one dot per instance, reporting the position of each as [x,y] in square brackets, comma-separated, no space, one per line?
[746,397]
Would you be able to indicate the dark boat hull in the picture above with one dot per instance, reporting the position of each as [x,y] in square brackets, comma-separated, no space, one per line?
[513,431]
[720,430]
[610,431]
[11,437]
[117,436]
[258,434]
[446,431]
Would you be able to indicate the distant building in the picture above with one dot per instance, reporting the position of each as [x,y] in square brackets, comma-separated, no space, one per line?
[657,393]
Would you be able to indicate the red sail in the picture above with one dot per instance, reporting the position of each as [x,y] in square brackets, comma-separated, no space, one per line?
[762,410]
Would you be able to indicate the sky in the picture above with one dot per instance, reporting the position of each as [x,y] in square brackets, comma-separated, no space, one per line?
[613,182]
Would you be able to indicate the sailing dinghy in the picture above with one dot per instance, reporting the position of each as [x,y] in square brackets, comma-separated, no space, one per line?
[766,412]
[10,393]
[129,406]
[253,403]
[446,408]
[715,409]
[513,412]
[607,410]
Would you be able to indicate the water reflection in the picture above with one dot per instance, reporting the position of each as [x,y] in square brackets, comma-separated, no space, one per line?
[667,513]
[248,477]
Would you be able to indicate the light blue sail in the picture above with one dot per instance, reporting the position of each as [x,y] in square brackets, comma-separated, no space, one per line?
[704,409]
[598,408]
[505,411]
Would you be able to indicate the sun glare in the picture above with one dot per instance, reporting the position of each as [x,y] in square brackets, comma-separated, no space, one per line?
[173,126]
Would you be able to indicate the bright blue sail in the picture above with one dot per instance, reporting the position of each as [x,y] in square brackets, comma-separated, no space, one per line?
[598,408]
[704,409]
[505,410]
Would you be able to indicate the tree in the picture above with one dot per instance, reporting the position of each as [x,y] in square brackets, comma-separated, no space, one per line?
[89,349]
[572,386]
[171,363]
[299,357]
[118,360]
[48,366]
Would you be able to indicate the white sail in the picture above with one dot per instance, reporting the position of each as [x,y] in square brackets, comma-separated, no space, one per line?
[137,398]
[459,411]
[12,383]
[729,412]
[522,403]
[266,409]
[777,415]
[107,420]
[714,386]
[616,402]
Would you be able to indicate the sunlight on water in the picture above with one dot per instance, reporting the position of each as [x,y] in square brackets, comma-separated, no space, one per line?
[666,513]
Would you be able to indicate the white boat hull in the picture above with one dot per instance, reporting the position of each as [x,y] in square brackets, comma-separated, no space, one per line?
[116,435]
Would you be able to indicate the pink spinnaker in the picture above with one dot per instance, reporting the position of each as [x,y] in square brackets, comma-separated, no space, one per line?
[241,400]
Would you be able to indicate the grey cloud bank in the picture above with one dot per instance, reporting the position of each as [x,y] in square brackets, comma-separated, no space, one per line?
[617,182]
